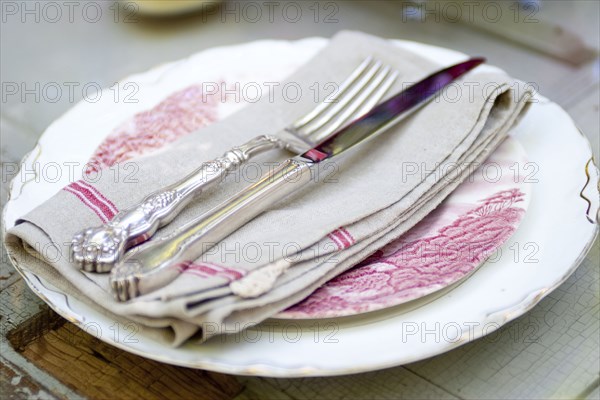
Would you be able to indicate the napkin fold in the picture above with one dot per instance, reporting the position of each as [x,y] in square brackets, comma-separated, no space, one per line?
[355,205]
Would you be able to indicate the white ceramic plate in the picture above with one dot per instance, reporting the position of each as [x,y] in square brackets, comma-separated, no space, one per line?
[554,236]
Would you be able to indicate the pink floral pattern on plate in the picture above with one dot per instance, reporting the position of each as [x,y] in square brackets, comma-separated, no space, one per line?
[445,247]
[178,115]
[407,270]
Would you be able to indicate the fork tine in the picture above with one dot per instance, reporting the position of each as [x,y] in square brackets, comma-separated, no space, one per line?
[344,86]
[342,102]
[351,110]
[363,102]
[378,94]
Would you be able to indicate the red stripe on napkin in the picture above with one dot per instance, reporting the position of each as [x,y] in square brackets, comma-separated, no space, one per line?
[93,199]
[335,240]
[99,195]
[207,270]
[342,238]
[348,236]
[85,201]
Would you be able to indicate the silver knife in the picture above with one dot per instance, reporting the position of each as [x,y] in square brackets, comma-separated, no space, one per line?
[154,264]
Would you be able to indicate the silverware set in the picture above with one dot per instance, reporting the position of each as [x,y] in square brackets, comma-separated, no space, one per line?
[324,133]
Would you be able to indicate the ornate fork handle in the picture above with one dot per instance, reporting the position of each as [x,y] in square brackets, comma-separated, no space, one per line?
[98,249]
[156,263]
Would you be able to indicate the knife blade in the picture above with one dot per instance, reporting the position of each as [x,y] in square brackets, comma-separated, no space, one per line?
[157,262]
[390,112]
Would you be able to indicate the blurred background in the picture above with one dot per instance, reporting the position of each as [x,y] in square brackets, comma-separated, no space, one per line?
[552,44]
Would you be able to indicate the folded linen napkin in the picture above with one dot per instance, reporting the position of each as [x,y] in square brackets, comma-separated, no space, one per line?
[358,204]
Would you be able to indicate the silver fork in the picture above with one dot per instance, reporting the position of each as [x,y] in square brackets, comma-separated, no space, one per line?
[98,249]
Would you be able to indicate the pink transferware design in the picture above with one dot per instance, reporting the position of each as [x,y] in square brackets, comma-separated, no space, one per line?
[179,114]
[416,265]
[449,244]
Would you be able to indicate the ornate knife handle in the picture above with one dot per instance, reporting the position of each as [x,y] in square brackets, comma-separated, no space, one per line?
[156,263]
[98,249]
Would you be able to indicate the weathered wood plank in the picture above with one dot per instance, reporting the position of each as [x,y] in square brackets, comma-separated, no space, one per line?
[551,352]
[586,113]
[14,384]
[99,371]
[391,383]
[34,328]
